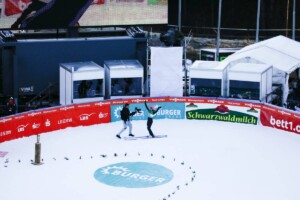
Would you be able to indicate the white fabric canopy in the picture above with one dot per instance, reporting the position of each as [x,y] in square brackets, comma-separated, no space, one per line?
[280,52]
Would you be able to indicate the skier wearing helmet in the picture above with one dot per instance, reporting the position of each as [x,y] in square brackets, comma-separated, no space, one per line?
[151,113]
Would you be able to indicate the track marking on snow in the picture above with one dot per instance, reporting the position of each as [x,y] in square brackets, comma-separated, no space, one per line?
[3,154]
[130,156]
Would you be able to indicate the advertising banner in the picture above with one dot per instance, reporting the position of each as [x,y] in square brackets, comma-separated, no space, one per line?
[21,126]
[92,113]
[34,120]
[280,119]
[86,12]
[50,119]
[220,110]
[13,7]
[6,129]
[167,111]
[42,121]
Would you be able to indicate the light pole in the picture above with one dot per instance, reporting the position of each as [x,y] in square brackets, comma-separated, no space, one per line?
[179,15]
[294,21]
[257,21]
[219,27]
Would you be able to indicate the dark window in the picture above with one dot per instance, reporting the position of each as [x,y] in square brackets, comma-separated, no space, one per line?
[205,87]
[126,86]
[88,88]
[244,89]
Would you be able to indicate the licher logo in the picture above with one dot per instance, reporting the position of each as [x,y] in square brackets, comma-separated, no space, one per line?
[5,120]
[138,100]
[178,99]
[102,103]
[34,114]
[215,101]
[67,108]
[21,128]
[134,175]
[283,112]
[85,117]
[175,99]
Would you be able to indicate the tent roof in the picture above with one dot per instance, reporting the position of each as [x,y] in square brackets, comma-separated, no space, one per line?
[281,52]
[207,65]
[250,68]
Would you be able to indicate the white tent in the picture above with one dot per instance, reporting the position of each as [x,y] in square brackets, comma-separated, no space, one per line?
[251,74]
[212,72]
[280,52]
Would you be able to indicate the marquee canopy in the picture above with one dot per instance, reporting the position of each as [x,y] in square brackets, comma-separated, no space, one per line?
[281,52]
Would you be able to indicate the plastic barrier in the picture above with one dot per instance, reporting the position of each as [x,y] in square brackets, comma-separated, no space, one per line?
[280,119]
[233,111]
[42,121]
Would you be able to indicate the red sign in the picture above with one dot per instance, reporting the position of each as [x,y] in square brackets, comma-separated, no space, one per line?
[6,126]
[94,113]
[13,7]
[280,119]
[42,121]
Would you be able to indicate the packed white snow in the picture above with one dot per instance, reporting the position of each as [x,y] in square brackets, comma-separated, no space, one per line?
[210,161]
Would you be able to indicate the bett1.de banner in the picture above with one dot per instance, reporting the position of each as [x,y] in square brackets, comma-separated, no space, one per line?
[280,119]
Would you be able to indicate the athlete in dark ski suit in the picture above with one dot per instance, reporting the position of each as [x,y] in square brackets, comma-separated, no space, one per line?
[151,112]
[125,116]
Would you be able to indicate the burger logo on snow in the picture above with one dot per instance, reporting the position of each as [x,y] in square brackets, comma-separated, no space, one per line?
[133,175]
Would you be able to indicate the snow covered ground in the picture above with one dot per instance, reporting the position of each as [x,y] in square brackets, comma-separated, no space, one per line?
[209,160]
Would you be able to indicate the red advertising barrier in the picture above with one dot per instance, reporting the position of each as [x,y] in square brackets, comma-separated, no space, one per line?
[139,100]
[42,121]
[13,7]
[6,127]
[280,119]
[98,2]
[216,101]
[94,113]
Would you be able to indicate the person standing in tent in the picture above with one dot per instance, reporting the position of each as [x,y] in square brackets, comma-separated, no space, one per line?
[11,106]
[151,113]
[125,116]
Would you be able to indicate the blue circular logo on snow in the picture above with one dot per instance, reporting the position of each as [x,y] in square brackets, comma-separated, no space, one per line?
[133,175]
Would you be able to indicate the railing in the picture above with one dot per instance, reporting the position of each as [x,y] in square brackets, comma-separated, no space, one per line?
[179,108]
